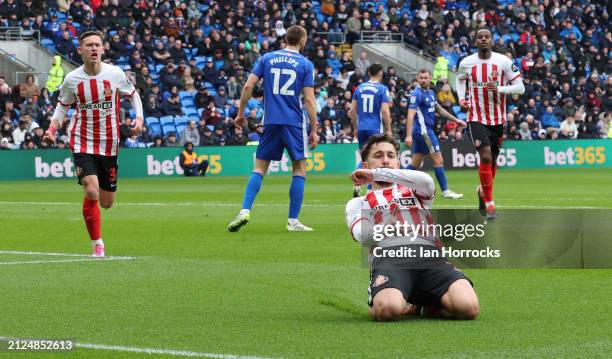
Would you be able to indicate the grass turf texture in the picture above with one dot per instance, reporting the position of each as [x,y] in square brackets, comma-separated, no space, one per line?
[266,292]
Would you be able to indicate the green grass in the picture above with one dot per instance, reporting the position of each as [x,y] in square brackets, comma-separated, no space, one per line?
[266,292]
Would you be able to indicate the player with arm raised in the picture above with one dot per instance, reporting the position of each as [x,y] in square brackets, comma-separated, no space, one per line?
[422,136]
[491,77]
[286,74]
[397,290]
[369,111]
[95,88]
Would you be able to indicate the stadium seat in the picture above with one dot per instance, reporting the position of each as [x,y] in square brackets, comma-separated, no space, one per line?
[164,120]
[180,120]
[191,112]
[184,95]
[200,112]
[179,130]
[461,116]
[456,109]
[151,119]
[47,42]
[187,102]
[169,127]
[155,129]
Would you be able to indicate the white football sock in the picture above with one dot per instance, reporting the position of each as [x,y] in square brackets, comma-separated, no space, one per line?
[97,241]
[293,221]
[244,211]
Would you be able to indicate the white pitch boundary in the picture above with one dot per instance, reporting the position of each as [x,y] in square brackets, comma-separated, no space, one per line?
[83,257]
[154,351]
[273,204]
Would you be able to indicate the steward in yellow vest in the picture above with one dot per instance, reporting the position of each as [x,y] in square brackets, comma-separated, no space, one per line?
[189,162]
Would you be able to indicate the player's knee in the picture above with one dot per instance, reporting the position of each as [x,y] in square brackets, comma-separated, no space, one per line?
[106,205]
[92,192]
[486,158]
[387,310]
[468,310]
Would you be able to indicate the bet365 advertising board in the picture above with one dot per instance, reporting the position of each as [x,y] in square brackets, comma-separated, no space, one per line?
[330,159]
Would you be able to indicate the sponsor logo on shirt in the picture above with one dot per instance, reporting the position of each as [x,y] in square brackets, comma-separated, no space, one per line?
[96,106]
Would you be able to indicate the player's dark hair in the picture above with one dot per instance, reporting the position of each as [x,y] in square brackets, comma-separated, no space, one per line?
[424,71]
[295,34]
[482,27]
[365,151]
[87,34]
[375,69]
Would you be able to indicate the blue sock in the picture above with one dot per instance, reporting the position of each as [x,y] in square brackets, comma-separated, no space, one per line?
[410,167]
[441,177]
[252,188]
[296,196]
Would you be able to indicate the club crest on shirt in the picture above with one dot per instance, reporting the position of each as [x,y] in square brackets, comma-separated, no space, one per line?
[108,91]
[380,280]
[494,75]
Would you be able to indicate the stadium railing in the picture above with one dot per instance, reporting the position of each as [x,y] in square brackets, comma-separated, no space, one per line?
[381,36]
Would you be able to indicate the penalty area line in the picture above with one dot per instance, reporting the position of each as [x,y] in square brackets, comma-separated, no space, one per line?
[108,259]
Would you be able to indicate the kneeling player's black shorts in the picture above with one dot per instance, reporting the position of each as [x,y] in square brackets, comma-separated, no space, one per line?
[485,135]
[424,286]
[105,167]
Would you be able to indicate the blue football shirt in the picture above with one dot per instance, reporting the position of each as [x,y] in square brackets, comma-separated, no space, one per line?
[424,102]
[370,96]
[285,73]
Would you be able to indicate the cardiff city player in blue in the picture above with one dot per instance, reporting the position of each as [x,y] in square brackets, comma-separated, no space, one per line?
[422,136]
[370,109]
[286,74]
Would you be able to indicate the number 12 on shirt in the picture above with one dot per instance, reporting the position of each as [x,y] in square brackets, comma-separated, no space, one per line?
[276,89]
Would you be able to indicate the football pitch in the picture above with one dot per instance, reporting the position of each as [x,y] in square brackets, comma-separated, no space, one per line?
[178,284]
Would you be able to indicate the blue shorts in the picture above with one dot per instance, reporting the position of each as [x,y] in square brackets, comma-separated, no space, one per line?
[362,136]
[425,143]
[276,138]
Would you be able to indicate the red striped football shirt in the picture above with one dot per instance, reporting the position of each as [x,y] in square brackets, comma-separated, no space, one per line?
[487,107]
[94,129]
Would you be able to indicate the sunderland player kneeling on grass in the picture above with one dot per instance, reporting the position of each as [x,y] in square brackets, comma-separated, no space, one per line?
[95,88]
[435,288]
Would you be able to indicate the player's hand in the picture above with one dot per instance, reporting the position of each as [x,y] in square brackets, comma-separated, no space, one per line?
[137,128]
[362,176]
[240,121]
[408,141]
[492,87]
[49,136]
[465,105]
[314,140]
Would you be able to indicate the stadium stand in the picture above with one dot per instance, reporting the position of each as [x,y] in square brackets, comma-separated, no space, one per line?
[203,51]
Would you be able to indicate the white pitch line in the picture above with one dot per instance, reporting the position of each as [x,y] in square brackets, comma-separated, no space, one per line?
[59,254]
[273,204]
[107,259]
[150,351]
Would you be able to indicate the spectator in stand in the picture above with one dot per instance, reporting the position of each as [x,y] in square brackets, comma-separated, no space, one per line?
[238,137]
[549,121]
[171,140]
[172,106]
[160,54]
[362,63]
[569,128]
[190,134]
[29,87]
[207,139]
[19,133]
[151,107]
[65,46]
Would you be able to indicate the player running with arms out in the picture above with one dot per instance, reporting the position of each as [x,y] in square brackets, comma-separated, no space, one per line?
[397,290]
[421,137]
[370,109]
[286,74]
[95,88]
[491,77]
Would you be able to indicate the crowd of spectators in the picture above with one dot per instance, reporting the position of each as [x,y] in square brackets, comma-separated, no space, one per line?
[190,59]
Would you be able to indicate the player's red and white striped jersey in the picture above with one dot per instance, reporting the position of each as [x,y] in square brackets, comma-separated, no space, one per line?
[389,205]
[95,127]
[486,107]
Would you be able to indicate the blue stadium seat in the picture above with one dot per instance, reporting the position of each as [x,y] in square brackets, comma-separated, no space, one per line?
[151,119]
[461,116]
[46,42]
[179,130]
[456,109]
[211,127]
[155,129]
[132,113]
[158,67]
[187,102]
[200,112]
[180,120]
[191,112]
[166,120]
[169,127]
[185,94]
